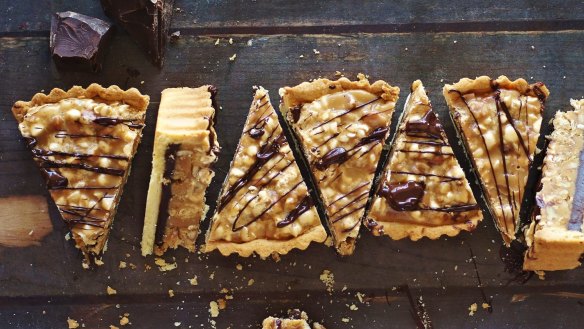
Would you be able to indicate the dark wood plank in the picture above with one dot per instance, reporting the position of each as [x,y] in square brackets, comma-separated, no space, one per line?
[440,270]
[341,16]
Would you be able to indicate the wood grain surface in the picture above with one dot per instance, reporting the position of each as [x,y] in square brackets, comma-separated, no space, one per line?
[40,286]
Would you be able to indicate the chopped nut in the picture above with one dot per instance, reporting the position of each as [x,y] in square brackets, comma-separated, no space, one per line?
[124,320]
[111,291]
[472,309]
[73,324]
[122,264]
[163,266]
[170,293]
[328,278]
[193,281]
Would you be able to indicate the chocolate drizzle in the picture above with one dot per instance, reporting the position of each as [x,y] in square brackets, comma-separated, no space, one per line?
[300,209]
[337,155]
[54,179]
[577,213]
[427,126]
[256,133]
[295,111]
[108,121]
[166,191]
[404,196]
[268,151]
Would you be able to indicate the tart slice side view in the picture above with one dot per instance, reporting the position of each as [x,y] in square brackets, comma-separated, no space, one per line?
[264,206]
[499,123]
[340,127]
[83,141]
[185,148]
[555,237]
[423,191]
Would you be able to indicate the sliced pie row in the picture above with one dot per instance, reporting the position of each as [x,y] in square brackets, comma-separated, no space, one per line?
[84,140]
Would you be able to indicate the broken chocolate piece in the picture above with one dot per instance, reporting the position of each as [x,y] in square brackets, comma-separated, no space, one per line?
[147,21]
[78,42]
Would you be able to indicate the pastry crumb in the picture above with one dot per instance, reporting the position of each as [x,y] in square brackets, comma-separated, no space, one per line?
[472,309]
[239,267]
[360,297]
[124,320]
[250,282]
[170,293]
[230,41]
[232,58]
[328,278]
[122,264]
[163,266]
[111,291]
[316,52]
[194,281]
[73,324]
[346,320]
[113,327]
[221,303]
[98,262]
[217,42]
[353,307]
[486,306]
[214,309]
[177,324]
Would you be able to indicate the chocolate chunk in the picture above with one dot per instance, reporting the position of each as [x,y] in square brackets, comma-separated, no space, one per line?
[404,196]
[147,21]
[78,42]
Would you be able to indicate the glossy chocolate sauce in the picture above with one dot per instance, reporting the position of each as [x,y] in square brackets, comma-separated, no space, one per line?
[300,209]
[166,191]
[426,126]
[108,121]
[403,196]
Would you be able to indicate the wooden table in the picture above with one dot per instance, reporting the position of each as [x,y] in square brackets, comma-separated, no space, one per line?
[42,285]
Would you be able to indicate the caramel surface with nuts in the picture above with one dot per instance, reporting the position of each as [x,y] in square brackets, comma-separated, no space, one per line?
[499,121]
[423,191]
[555,237]
[83,140]
[185,147]
[265,206]
[341,127]
[296,320]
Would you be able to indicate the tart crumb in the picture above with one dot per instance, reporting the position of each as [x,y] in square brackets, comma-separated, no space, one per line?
[472,309]
[111,291]
[239,267]
[328,278]
[177,324]
[122,265]
[124,319]
[163,266]
[113,327]
[230,41]
[98,262]
[232,58]
[170,293]
[250,282]
[194,281]
[316,52]
[214,309]
[486,306]
[73,324]
[221,303]
[346,320]
[217,42]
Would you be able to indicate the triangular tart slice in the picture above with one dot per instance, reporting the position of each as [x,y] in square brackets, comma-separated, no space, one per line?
[83,141]
[340,127]
[423,191]
[499,123]
[264,206]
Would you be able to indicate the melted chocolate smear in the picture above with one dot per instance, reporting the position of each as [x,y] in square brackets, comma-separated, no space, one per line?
[300,209]
[54,179]
[404,196]
[296,112]
[577,214]
[166,195]
[63,135]
[256,133]
[480,284]
[337,155]
[269,150]
[418,310]
[502,148]
[107,121]
[427,126]
[513,258]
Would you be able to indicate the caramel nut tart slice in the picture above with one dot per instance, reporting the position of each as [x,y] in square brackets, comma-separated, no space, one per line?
[83,141]
[296,320]
[340,127]
[555,237]
[423,191]
[185,147]
[499,122]
[264,206]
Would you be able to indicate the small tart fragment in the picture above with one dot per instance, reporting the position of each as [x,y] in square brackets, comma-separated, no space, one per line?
[185,148]
[264,206]
[499,122]
[555,237]
[83,141]
[296,320]
[340,127]
[423,191]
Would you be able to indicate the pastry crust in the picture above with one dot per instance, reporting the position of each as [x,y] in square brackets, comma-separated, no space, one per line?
[553,245]
[112,93]
[84,179]
[422,156]
[503,184]
[332,122]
